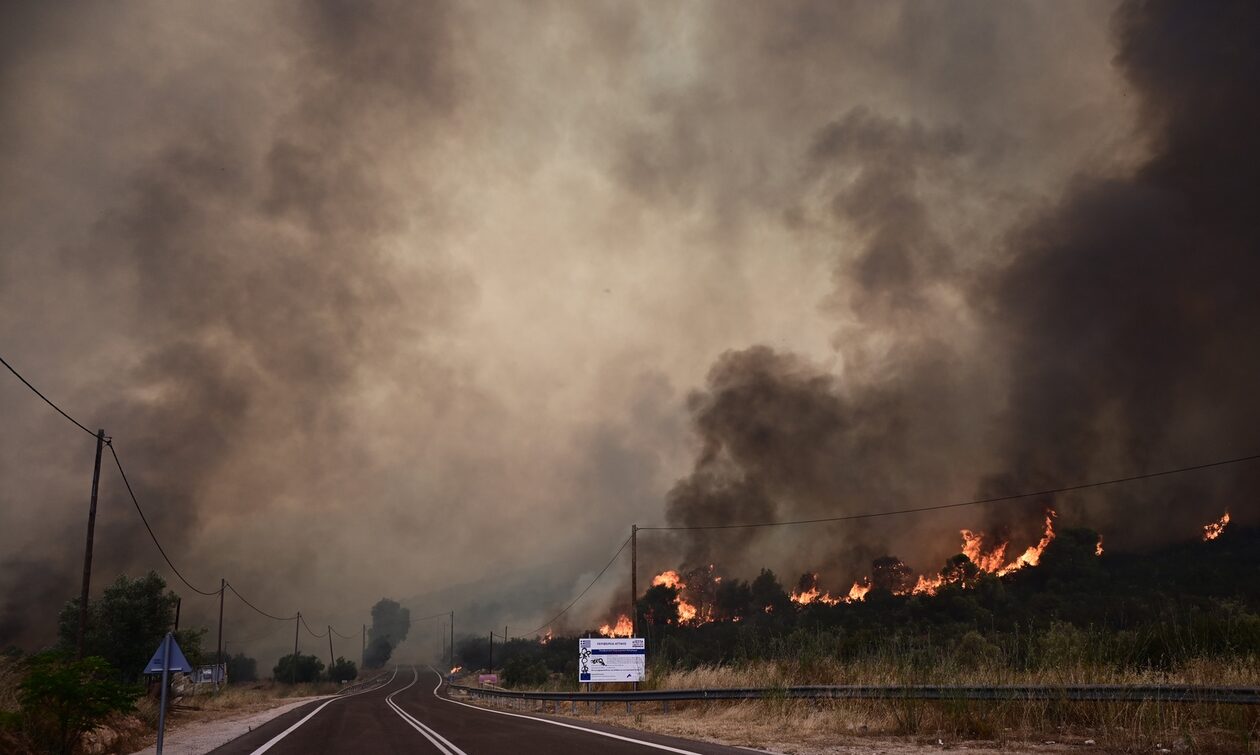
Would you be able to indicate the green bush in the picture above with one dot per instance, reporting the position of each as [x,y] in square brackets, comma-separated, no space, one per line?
[64,699]
[298,669]
[524,672]
[241,668]
[342,671]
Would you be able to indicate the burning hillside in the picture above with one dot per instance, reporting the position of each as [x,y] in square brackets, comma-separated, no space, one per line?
[699,597]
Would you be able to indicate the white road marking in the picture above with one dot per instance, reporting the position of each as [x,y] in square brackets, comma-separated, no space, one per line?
[608,734]
[442,743]
[271,743]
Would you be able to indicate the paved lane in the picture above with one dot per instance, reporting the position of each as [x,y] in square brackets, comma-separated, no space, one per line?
[407,715]
[481,731]
[357,723]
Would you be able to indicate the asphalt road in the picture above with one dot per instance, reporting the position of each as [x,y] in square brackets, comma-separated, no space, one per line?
[408,715]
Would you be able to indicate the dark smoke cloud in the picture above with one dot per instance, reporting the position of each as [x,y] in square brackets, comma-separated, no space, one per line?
[1124,321]
[254,246]
[393,298]
[1127,311]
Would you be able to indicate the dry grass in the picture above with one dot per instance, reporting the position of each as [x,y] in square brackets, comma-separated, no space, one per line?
[1236,672]
[252,695]
[801,726]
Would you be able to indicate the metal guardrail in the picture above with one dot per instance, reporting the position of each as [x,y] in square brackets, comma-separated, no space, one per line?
[1071,693]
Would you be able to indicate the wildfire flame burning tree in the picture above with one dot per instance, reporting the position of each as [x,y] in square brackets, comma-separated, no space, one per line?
[457,669]
[1213,530]
[623,628]
[986,553]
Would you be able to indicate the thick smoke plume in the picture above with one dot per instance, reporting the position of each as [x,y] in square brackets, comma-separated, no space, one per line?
[413,298]
[1121,321]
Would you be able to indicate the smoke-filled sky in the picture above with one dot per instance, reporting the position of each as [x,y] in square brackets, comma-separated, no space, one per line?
[377,298]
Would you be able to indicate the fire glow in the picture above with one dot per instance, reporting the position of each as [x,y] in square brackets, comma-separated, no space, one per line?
[623,628]
[988,555]
[1214,529]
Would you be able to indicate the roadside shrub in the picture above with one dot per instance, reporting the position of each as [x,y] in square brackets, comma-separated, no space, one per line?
[342,671]
[298,669]
[63,699]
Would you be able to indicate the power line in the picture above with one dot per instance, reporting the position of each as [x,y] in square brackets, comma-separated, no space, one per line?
[47,400]
[309,631]
[588,587]
[974,502]
[152,535]
[139,510]
[342,636]
[257,609]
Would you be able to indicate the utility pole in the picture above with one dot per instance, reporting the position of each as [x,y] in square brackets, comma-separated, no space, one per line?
[87,551]
[219,659]
[452,639]
[490,667]
[297,623]
[363,651]
[178,602]
[331,662]
[634,580]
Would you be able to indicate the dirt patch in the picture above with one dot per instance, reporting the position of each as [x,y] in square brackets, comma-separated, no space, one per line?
[196,732]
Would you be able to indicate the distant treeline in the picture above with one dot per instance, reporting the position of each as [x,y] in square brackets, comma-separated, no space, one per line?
[1127,611]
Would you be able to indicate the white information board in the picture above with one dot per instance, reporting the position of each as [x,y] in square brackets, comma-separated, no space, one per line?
[611,659]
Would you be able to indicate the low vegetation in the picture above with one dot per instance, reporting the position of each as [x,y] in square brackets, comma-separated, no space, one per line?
[1189,614]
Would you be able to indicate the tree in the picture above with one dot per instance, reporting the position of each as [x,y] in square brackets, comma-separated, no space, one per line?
[299,668]
[64,699]
[241,668]
[342,671]
[523,671]
[389,621]
[960,571]
[734,599]
[889,573]
[378,652]
[768,595]
[125,625]
[659,605]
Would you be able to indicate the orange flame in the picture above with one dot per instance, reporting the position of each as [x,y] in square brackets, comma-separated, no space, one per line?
[927,585]
[1032,556]
[669,578]
[1098,551]
[622,628]
[457,669]
[1213,530]
[545,638]
[858,591]
[687,611]
[812,595]
[973,548]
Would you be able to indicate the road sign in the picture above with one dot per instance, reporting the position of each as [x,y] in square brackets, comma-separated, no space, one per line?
[177,660]
[611,659]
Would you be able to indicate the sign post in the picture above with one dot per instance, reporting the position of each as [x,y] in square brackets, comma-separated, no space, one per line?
[168,658]
[612,659]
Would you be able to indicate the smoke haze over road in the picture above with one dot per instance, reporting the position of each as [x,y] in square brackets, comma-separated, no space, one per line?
[385,297]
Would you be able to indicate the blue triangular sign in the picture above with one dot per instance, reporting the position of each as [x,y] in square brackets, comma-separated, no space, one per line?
[177,661]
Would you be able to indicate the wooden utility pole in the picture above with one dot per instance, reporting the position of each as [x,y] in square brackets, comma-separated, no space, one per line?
[331,662]
[363,651]
[178,602]
[634,580]
[452,639]
[87,551]
[297,624]
[219,659]
[490,666]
